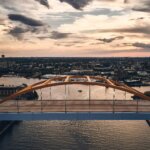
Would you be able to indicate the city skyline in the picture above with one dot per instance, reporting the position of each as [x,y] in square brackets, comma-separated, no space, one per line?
[96,28]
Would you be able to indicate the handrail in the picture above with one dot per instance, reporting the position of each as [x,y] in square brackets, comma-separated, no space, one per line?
[67,106]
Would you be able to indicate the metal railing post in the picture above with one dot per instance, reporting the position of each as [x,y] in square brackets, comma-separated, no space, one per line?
[137,109]
[113,106]
[41,94]
[106,92]
[125,95]
[41,99]
[41,107]
[89,96]
[114,96]
[50,94]
[65,98]
[17,106]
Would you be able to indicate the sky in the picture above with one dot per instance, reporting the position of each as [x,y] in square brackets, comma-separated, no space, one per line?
[75,28]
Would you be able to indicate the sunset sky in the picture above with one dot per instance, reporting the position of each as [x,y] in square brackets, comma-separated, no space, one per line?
[86,28]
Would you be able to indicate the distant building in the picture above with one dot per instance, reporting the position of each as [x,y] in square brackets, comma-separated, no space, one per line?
[3,56]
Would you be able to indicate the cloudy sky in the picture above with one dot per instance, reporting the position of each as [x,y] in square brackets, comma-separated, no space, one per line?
[102,28]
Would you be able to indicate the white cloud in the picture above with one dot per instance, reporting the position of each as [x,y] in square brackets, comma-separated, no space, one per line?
[95,22]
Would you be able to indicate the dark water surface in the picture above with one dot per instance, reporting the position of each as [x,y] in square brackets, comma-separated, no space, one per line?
[77,135]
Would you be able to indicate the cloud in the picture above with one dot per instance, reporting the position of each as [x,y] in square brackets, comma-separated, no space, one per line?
[44,2]
[137,5]
[143,9]
[143,5]
[79,4]
[141,45]
[110,52]
[2,21]
[17,4]
[109,40]
[126,1]
[28,32]
[102,24]
[25,20]
[59,35]
[143,29]
[24,32]
[137,29]
[104,21]
[54,35]
[18,32]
